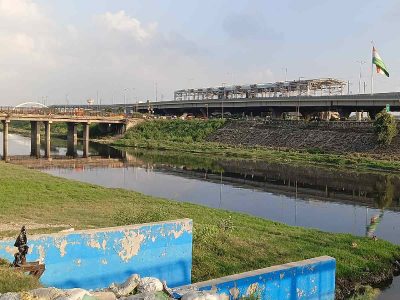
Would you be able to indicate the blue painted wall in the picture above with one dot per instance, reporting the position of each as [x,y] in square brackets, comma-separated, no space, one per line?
[93,259]
[309,279]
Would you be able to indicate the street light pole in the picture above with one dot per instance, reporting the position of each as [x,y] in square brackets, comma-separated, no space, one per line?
[222,102]
[361,62]
[298,103]
[125,99]
[156,89]
[285,70]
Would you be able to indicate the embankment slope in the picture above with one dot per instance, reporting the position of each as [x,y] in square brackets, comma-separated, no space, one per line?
[330,137]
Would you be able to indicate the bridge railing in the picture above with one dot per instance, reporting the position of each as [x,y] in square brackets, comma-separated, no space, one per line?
[61,111]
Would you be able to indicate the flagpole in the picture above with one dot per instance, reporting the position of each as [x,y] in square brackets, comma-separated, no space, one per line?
[372,68]
[372,78]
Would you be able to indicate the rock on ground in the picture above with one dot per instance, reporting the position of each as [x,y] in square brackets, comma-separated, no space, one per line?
[149,284]
[10,296]
[104,295]
[200,295]
[74,294]
[148,296]
[124,289]
[47,293]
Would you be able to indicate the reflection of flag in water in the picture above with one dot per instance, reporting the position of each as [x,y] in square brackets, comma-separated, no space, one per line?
[375,220]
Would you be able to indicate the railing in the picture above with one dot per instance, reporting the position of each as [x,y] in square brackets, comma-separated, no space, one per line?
[65,111]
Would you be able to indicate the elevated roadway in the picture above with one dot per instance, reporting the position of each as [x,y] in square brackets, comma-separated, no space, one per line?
[344,104]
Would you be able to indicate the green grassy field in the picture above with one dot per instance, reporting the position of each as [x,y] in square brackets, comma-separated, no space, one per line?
[189,136]
[224,242]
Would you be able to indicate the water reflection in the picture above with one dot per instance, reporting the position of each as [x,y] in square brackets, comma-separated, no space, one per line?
[365,203]
[361,203]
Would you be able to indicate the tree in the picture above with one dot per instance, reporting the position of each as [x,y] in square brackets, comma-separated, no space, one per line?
[385,127]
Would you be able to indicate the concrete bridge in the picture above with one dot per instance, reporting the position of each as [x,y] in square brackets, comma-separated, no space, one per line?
[116,123]
[260,105]
[276,106]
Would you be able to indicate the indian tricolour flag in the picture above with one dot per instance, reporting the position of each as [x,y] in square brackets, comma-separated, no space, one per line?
[378,62]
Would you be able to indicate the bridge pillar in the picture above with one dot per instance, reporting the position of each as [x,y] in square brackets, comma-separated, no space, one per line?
[86,127]
[373,112]
[276,113]
[5,139]
[344,113]
[72,139]
[121,128]
[47,130]
[35,139]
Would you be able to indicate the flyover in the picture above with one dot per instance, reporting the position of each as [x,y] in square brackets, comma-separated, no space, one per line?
[276,106]
[258,106]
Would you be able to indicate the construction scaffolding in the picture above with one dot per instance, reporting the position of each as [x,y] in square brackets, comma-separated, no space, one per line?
[295,88]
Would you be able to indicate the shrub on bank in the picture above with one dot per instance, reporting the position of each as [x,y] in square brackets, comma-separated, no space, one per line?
[385,128]
[185,131]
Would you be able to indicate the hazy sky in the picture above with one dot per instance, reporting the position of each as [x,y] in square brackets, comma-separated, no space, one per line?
[75,48]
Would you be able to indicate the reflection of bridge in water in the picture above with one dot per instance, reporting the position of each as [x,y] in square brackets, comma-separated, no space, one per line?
[114,123]
[304,182]
[367,189]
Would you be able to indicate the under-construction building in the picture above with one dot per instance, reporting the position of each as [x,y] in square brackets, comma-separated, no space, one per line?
[306,87]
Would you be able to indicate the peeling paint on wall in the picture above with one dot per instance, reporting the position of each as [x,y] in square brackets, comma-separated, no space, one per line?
[62,245]
[306,280]
[130,245]
[94,259]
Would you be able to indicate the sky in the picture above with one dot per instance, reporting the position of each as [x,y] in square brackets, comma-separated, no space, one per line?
[69,51]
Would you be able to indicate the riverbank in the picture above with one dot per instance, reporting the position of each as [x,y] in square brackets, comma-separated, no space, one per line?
[225,242]
[200,137]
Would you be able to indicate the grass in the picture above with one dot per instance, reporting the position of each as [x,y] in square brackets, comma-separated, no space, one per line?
[189,136]
[224,242]
[352,161]
[181,131]
[11,280]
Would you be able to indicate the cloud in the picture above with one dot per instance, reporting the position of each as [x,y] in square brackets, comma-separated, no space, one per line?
[23,9]
[121,22]
[110,52]
[249,27]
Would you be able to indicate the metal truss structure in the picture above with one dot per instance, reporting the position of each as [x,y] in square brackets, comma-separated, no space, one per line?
[306,87]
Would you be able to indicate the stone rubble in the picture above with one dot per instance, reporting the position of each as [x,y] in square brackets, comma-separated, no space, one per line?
[149,284]
[200,295]
[126,288]
[147,288]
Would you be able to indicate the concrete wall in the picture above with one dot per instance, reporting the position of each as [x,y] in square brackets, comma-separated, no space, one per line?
[308,279]
[93,259]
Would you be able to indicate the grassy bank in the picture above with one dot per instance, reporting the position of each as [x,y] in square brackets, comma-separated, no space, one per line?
[189,136]
[224,242]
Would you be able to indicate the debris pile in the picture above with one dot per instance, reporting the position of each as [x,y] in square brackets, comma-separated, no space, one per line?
[134,288]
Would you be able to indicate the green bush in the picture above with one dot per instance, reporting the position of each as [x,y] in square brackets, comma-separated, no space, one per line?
[385,127]
[185,131]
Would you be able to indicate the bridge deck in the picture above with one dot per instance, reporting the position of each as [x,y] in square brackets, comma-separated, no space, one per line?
[63,118]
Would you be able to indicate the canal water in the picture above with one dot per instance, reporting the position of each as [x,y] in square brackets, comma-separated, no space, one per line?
[361,203]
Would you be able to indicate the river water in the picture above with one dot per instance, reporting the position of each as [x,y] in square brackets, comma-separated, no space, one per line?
[361,203]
